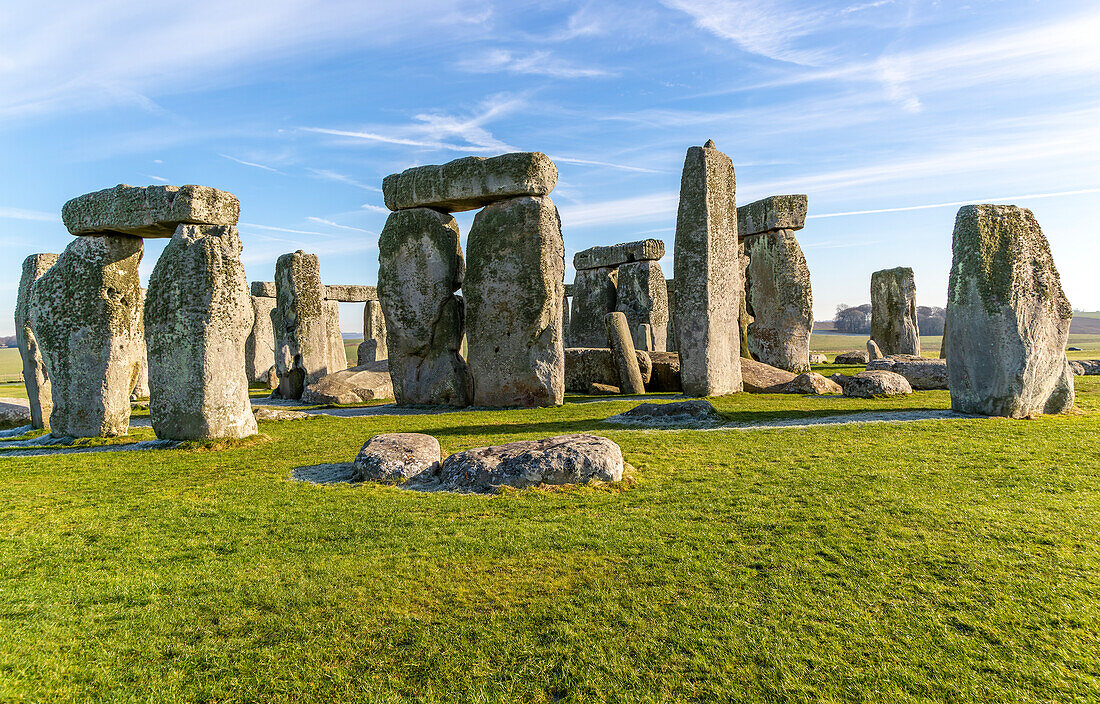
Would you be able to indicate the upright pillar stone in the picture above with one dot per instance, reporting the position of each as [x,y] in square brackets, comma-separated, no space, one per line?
[643,297]
[198,315]
[513,289]
[35,378]
[259,348]
[1007,317]
[779,301]
[86,316]
[565,320]
[420,267]
[594,296]
[894,311]
[707,273]
[373,346]
[744,317]
[302,354]
[338,357]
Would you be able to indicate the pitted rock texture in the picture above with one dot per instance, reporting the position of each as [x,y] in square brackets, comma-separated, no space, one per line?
[771,214]
[894,311]
[876,383]
[198,314]
[694,412]
[595,389]
[617,254]
[366,382]
[420,267]
[148,211]
[565,459]
[921,373]
[623,354]
[302,348]
[263,289]
[277,414]
[35,378]
[85,312]
[779,300]
[812,383]
[259,348]
[596,365]
[471,182]
[708,275]
[760,378]
[14,411]
[643,297]
[513,293]
[852,357]
[1007,317]
[394,458]
[594,296]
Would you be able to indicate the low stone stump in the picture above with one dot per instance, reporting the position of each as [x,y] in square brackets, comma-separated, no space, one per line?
[922,373]
[595,365]
[876,384]
[14,411]
[394,458]
[471,182]
[1085,367]
[370,351]
[35,378]
[595,389]
[367,382]
[873,351]
[565,459]
[853,357]
[813,384]
[278,414]
[696,412]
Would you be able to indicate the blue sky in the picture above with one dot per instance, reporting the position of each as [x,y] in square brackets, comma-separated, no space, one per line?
[301,108]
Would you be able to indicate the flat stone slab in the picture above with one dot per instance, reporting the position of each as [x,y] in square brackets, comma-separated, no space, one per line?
[760,378]
[697,412]
[471,182]
[350,293]
[394,458]
[565,459]
[148,211]
[852,357]
[616,254]
[262,289]
[771,214]
[921,373]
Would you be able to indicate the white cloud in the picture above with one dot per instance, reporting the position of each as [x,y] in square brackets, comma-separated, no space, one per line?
[341,178]
[21,214]
[330,223]
[647,207]
[769,29]
[251,163]
[155,178]
[376,209]
[952,204]
[536,63]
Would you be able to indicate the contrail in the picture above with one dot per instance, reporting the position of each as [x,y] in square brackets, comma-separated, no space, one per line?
[956,203]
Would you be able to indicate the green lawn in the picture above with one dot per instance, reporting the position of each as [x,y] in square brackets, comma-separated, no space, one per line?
[11,365]
[938,560]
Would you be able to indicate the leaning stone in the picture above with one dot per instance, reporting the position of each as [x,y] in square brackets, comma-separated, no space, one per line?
[1007,317]
[596,365]
[35,378]
[617,254]
[148,211]
[302,348]
[394,458]
[420,267]
[780,301]
[86,316]
[259,348]
[594,296]
[813,384]
[708,276]
[877,383]
[513,293]
[818,358]
[643,297]
[873,351]
[471,182]
[760,378]
[894,311]
[350,293]
[263,289]
[595,389]
[565,459]
[694,412]
[771,214]
[666,372]
[853,357]
[921,373]
[198,314]
[367,382]
[623,354]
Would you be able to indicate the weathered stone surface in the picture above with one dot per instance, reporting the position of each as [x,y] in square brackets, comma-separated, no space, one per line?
[565,322]
[374,327]
[198,314]
[1085,367]
[369,351]
[263,289]
[708,276]
[351,293]
[818,358]
[394,458]
[338,358]
[771,214]
[666,372]
[623,354]
[617,254]
[35,378]
[643,334]
[596,365]
[779,300]
[513,295]
[420,266]
[594,296]
[921,373]
[139,386]
[876,383]
[367,382]
[1007,317]
[873,351]
[86,316]
[565,459]
[812,383]
[259,348]
[148,211]
[269,413]
[471,182]
[840,379]
[894,311]
[302,348]
[760,378]
[642,296]
[744,317]
[14,412]
[694,412]
[852,357]
[595,389]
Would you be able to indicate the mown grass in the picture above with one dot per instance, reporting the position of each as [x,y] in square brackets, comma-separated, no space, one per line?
[937,560]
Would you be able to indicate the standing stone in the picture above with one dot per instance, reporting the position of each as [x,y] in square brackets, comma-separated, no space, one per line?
[623,354]
[86,317]
[780,301]
[302,354]
[373,346]
[744,317]
[594,296]
[35,377]
[420,266]
[565,321]
[643,297]
[894,311]
[707,273]
[873,351]
[1007,317]
[513,290]
[643,333]
[338,358]
[198,315]
[259,348]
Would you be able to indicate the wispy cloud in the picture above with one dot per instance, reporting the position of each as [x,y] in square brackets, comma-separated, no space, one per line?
[536,63]
[283,229]
[253,164]
[21,214]
[769,29]
[375,209]
[620,210]
[155,178]
[330,223]
[341,178]
[956,203]
[589,162]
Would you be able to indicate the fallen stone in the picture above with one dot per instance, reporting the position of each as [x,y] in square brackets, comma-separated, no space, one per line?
[818,358]
[922,373]
[841,380]
[873,351]
[780,301]
[565,459]
[368,382]
[259,347]
[877,383]
[302,347]
[771,214]
[760,378]
[1007,317]
[623,354]
[35,378]
[394,458]
[594,296]
[595,389]
[641,295]
[666,373]
[1085,367]
[617,254]
[693,412]
[471,182]
[853,357]
[277,414]
[14,412]
[148,211]
[812,383]
[595,365]
[263,289]
[350,293]
[894,311]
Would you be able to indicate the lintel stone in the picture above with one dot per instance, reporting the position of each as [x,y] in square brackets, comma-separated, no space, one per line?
[771,214]
[471,182]
[148,211]
[616,254]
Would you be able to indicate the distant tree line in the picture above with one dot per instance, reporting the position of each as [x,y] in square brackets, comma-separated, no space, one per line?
[857,320]
[8,341]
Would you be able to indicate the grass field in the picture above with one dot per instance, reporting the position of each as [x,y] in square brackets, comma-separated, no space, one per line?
[952,560]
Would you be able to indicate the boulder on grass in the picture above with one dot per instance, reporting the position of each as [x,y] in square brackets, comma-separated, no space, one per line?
[812,383]
[15,411]
[694,412]
[853,357]
[877,383]
[595,389]
[818,358]
[922,373]
[269,413]
[760,378]
[356,385]
[565,459]
[1085,367]
[394,458]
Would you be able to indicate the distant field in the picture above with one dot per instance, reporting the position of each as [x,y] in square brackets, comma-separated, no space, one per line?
[11,367]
